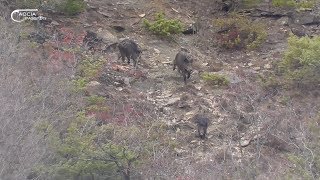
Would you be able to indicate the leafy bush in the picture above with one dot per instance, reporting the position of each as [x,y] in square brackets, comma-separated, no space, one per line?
[250,3]
[96,104]
[81,152]
[293,3]
[108,151]
[239,32]
[215,79]
[269,81]
[281,3]
[162,26]
[80,84]
[96,108]
[73,7]
[89,67]
[94,100]
[301,63]
[69,7]
[32,4]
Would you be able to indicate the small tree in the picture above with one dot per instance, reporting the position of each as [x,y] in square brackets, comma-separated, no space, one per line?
[72,7]
[81,152]
[162,26]
[301,63]
[215,79]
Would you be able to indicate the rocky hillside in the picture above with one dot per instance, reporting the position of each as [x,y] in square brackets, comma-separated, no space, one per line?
[261,126]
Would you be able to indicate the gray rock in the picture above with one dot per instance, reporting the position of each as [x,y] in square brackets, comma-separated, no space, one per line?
[198,87]
[305,18]
[256,68]
[92,7]
[172,101]
[121,39]
[127,81]
[105,14]
[284,21]
[298,30]
[193,141]
[87,25]
[157,51]
[55,23]
[165,110]
[107,36]
[93,84]
[179,151]
[189,115]
[267,66]
[244,142]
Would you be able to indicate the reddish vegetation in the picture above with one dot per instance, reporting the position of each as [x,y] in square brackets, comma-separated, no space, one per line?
[70,37]
[60,58]
[228,39]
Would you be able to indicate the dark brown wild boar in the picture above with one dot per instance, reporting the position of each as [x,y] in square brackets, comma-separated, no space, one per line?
[183,61]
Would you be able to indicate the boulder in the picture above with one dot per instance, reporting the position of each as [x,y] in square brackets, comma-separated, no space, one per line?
[244,142]
[306,18]
[284,21]
[172,101]
[107,37]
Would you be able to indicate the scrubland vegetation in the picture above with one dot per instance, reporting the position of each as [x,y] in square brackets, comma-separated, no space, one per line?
[55,127]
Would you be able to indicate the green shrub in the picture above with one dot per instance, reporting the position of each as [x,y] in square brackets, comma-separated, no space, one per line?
[215,79]
[89,67]
[80,153]
[30,4]
[283,3]
[69,7]
[96,108]
[96,104]
[239,32]
[293,3]
[301,63]
[162,26]
[250,3]
[269,81]
[96,100]
[299,168]
[73,7]
[88,70]
[80,84]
